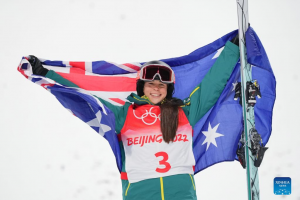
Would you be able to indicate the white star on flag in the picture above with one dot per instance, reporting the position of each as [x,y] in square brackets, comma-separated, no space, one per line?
[96,122]
[234,85]
[211,135]
[218,53]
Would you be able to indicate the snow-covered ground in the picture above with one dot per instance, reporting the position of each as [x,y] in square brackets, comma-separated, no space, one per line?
[47,154]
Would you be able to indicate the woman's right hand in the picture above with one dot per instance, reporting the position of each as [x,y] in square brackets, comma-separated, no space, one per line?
[37,67]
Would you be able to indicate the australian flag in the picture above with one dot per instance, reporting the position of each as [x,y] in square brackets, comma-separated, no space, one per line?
[216,135]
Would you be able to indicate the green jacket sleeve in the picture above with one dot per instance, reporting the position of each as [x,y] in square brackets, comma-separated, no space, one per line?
[206,94]
[120,112]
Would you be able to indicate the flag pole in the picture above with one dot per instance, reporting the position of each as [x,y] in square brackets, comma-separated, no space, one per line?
[248,111]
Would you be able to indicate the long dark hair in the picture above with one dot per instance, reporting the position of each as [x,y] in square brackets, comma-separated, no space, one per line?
[168,109]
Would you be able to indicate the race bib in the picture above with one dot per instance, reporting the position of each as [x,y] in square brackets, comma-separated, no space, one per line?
[147,155]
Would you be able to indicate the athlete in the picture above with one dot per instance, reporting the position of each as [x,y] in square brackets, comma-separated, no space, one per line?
[156,130]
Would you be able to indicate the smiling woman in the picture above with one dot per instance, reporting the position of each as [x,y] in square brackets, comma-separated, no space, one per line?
[155,81]
[156,91]
[155,130]
[156,84]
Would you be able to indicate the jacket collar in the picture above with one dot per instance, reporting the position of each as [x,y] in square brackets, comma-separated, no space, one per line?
[134,98]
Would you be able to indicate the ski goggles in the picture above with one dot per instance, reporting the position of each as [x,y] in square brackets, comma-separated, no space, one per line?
[149,71]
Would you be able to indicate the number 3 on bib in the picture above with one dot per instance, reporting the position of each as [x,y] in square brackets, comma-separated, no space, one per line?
[163,162]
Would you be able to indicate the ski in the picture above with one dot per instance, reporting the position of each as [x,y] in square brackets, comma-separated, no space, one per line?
[248,90]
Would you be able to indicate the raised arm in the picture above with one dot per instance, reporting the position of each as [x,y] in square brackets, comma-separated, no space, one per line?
[206,94]
[38,69]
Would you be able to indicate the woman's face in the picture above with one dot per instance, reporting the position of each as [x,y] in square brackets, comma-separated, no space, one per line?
[155,90]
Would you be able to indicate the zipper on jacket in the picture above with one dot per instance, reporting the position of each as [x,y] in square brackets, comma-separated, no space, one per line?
[143,100]
[192,182]
[162,188]
[127,189]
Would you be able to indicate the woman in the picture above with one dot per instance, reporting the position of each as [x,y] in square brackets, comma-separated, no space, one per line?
[155,129]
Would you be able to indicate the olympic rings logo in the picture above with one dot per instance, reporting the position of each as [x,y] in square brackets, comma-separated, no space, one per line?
[148,113]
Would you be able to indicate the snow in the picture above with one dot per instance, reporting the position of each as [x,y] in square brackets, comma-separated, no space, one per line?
[46,153]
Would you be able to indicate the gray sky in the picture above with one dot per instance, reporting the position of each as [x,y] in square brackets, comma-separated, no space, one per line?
[46,153]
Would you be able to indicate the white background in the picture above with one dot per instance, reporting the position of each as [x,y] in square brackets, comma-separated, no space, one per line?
[46,153]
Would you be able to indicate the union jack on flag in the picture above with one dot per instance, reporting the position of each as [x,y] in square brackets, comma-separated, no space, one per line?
[114,82]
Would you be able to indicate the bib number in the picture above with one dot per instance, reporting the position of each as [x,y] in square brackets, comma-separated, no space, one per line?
[163,162]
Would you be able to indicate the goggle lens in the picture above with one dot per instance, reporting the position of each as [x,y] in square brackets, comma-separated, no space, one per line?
[150,71]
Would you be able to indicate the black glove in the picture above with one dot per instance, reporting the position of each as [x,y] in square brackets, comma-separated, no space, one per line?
[235,40]
[37,66]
